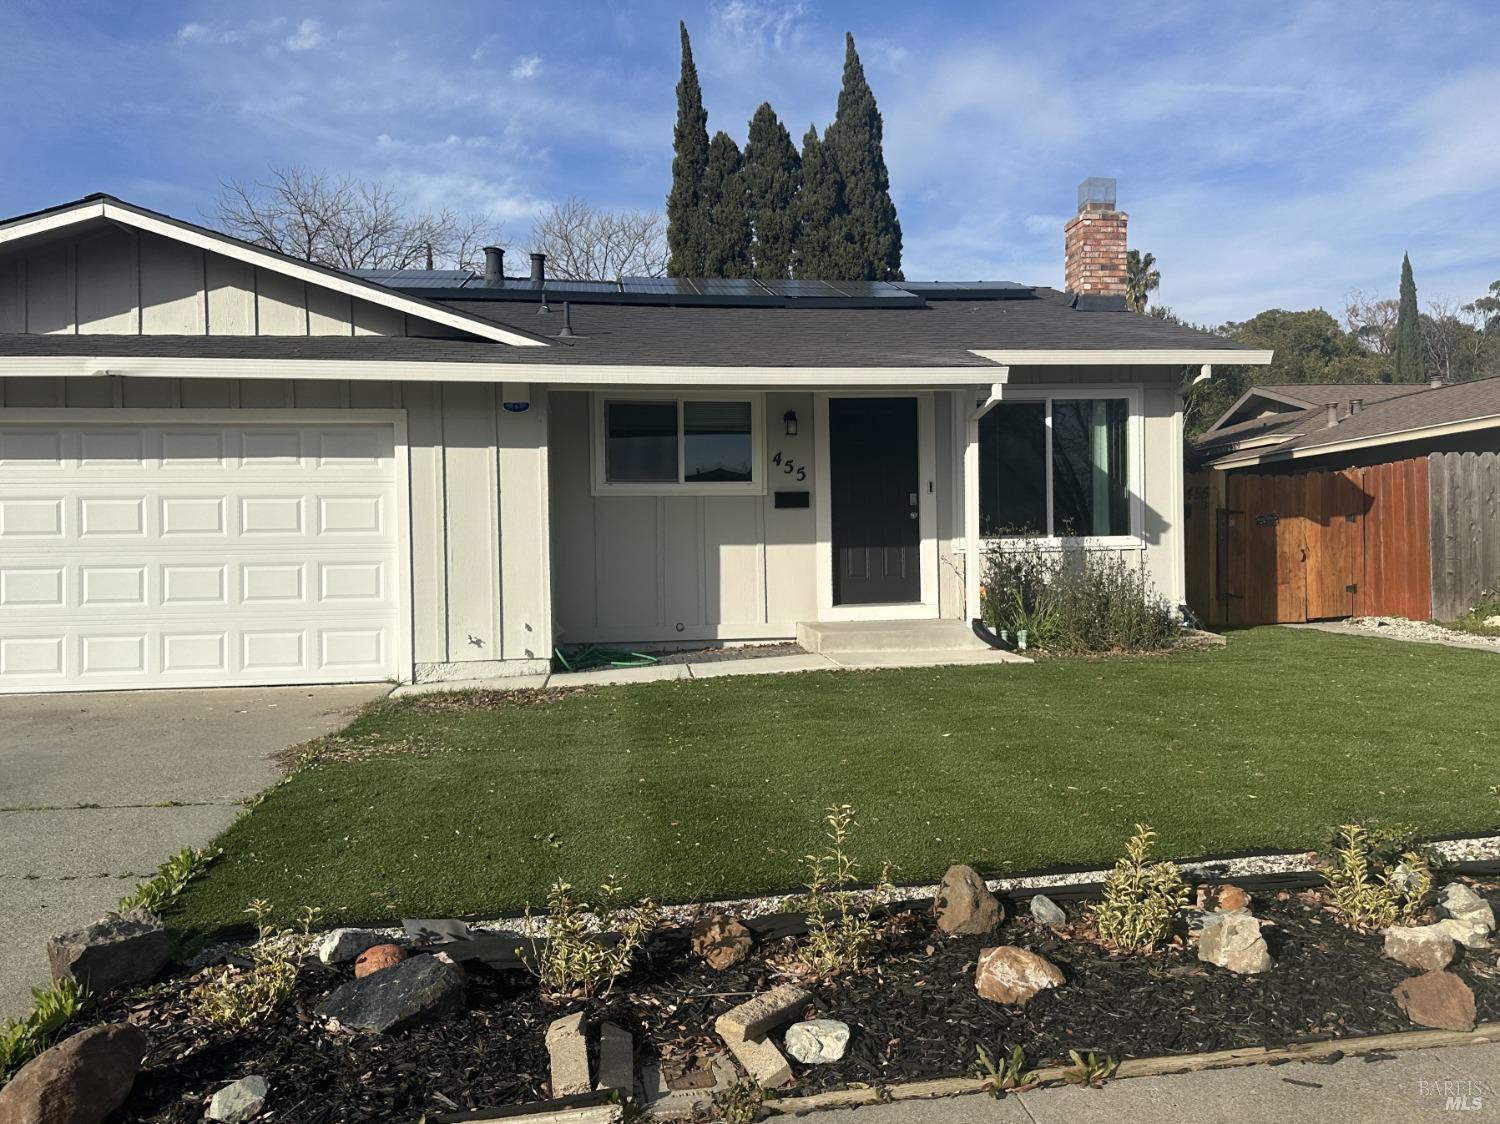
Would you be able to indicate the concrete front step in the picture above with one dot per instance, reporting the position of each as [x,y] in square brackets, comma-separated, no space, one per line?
[870,660]
[833,637]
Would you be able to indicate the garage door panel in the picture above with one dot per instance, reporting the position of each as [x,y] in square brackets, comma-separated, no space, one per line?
[197,554]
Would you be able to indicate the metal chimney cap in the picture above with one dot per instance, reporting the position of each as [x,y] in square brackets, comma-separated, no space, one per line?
[538,266]
[494,266]
[1097,193]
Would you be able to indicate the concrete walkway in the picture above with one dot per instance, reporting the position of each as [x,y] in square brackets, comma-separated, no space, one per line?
[1455,1083]
[97,790]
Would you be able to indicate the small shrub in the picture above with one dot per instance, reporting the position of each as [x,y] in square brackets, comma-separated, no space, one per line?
[1009,1074]
[1075,600]
[584,958]
[171,878]
[1374,880]
[241,997]
[52,1008]
[1141,898]
[741,1102]
[1089,1069]
[840,931]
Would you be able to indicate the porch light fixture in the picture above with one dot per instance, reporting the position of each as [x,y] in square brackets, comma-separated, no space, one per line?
[790,417]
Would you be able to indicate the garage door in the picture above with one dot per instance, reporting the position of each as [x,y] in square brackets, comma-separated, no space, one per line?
[197,554]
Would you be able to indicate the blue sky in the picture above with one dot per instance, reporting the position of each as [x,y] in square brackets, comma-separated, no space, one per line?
[1269,154]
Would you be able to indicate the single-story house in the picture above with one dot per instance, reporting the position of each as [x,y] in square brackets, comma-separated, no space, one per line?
[1327,500]
[221,465]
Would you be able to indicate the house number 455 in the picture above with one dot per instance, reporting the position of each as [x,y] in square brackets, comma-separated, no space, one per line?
[790,467]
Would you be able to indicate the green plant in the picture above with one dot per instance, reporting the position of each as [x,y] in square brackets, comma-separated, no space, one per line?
[1008,1075]
[1375,880]
[170,879]
[240,997]
[1075,600]
[1089,1069]
[741,1102]
[52,1008]
[1141,898]
[840,929]
[583,956]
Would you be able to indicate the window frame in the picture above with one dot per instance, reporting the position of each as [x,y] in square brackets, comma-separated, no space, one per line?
[599,424]
[1134,462]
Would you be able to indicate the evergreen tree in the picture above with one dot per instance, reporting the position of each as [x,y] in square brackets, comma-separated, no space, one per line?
[687,222]
[727,250]
[772,170]
[872,247]
[819,213]
[1408,350]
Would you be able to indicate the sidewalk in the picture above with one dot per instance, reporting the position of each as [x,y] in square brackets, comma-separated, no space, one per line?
[1454,1083]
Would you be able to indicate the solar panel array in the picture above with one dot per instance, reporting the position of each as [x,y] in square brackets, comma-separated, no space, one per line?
[752,292]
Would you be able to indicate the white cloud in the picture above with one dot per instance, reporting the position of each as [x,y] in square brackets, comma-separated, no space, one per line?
[526,68]
[308,35]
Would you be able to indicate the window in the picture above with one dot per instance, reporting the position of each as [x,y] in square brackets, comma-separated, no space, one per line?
[1058,467]
[656,445]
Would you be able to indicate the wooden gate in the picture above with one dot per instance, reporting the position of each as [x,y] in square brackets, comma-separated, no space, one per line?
[1291,547]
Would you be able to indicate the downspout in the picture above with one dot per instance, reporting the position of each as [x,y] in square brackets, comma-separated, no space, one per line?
[972,608]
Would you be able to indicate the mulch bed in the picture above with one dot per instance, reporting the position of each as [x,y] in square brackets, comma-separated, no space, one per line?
[914,1011]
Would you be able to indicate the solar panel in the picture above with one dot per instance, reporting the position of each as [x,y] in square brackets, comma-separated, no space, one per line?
[557,285]
[870,290]
[963,286]
[786,287]
[427,278]
[673,286]
[729,286]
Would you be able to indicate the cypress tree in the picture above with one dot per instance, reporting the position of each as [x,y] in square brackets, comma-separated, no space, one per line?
[727,249]
[819,212]
[687,234]
[772,171]
[872,249]
[1408,352]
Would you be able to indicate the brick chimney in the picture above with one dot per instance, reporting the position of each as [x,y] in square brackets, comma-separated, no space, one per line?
[1094,242]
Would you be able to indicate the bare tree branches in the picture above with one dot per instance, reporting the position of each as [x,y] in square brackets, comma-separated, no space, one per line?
[348,223]
[584,243]
[1372,321]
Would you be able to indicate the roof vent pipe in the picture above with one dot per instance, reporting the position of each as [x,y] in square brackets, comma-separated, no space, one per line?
[494,267]
[1356,405]
[1436,381]
[1333,415]
[538,267]
[567,332]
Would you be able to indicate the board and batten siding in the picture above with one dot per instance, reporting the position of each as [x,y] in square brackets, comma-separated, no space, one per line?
[463,450]
[1464,491]
[123,282]
[655,569]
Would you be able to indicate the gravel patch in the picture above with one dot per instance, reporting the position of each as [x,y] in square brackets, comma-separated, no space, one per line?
[1399,628]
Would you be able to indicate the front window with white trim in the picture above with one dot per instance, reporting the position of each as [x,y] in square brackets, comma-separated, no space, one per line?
[1059,467]
[655,445]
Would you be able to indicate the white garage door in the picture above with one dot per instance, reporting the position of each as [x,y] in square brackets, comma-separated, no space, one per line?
[197,554]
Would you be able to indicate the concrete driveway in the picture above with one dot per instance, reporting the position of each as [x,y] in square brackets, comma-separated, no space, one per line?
[97,790]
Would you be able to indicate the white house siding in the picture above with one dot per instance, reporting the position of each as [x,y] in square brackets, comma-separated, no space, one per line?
[113,281]
[464,451]
[666,568]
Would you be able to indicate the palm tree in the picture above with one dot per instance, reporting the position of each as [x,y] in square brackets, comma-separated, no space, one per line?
[1140,279]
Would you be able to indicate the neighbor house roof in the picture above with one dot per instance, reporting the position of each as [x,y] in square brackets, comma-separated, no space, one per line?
[1394,415]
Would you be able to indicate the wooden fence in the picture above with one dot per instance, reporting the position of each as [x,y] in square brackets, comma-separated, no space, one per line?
[1287,547]
[1465,499]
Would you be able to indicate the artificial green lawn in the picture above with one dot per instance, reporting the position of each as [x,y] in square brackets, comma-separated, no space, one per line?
[715,787]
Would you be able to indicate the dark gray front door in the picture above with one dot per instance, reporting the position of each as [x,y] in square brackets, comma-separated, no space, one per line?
[872,459]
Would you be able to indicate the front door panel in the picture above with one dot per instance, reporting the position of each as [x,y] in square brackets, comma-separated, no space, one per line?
[872,454]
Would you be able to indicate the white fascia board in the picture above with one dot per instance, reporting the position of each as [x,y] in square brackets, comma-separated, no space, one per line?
[1095,357]
[232,248]
[1370,441]
[581,376]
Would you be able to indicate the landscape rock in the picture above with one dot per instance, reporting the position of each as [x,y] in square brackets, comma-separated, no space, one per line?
[1224,897]
[81,1080]
[1008,974]
[568,1050]
[1461,903]
[1436,999]
[817,1041]
[722,941]
[1045,911]
[616,1059]
[766,1011]
[417,991]
[1232,940]
[343,945]
[1471,932]
[377,958]
[239,1101]
[764,1063]
[120,950]
[1426,948]
[964,904]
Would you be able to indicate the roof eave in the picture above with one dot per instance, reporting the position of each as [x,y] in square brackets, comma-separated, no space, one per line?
[1366,441]
[1130,356]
